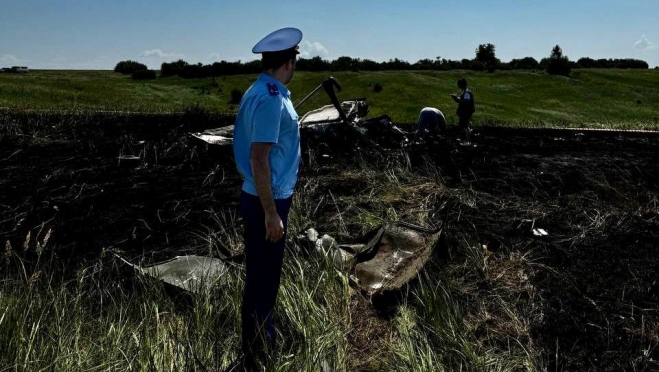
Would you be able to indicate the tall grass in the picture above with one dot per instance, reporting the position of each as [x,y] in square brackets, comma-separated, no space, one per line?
[94,323]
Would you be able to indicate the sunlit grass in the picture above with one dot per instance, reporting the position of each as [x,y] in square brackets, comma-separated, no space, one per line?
[620,99]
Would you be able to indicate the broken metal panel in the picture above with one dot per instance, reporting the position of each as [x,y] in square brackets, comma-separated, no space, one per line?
[212,139]
[190,273]
[392,258]
[321,115]
[354,110]
[216,136]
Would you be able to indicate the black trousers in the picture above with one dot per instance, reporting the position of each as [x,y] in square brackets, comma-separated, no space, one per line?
[263,263]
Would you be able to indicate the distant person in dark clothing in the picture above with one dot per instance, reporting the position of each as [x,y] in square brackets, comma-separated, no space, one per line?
[466,108]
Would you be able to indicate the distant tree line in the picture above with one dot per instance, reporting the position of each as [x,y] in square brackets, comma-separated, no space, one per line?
[626,63]
[185,70]
[485,60]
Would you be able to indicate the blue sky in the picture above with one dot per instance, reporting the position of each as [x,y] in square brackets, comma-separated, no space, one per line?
[96,34]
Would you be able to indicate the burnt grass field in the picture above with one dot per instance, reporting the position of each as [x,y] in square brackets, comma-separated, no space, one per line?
[568,221]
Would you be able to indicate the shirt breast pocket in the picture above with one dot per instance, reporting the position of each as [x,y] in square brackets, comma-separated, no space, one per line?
[290,120]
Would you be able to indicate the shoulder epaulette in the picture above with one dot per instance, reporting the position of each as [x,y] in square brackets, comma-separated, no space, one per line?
[272,89]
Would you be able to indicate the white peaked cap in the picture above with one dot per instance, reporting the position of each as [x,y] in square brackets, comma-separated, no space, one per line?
[282,39]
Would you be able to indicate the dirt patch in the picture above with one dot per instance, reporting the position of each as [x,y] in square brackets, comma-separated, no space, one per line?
[589,281]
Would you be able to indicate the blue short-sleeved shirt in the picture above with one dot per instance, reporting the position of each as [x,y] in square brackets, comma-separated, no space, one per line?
[267,115]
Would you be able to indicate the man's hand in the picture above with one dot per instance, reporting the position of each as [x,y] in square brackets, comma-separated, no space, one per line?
[274,227]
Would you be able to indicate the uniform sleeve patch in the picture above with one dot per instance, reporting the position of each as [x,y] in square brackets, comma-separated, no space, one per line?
[467,96]
[272,89]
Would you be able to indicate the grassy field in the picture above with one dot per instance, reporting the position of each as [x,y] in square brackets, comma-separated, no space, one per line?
[590,98]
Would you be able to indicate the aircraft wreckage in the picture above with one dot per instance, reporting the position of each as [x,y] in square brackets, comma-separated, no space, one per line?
[338,121]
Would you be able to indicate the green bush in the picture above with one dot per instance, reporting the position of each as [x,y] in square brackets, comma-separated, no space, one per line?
[129,67]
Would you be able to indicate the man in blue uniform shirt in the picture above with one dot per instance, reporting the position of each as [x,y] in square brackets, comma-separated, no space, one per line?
[266,144]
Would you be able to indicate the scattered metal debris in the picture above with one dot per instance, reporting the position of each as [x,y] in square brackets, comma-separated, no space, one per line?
[191,273]
[390,257]
[540,232]
[128,157]
[213,137]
